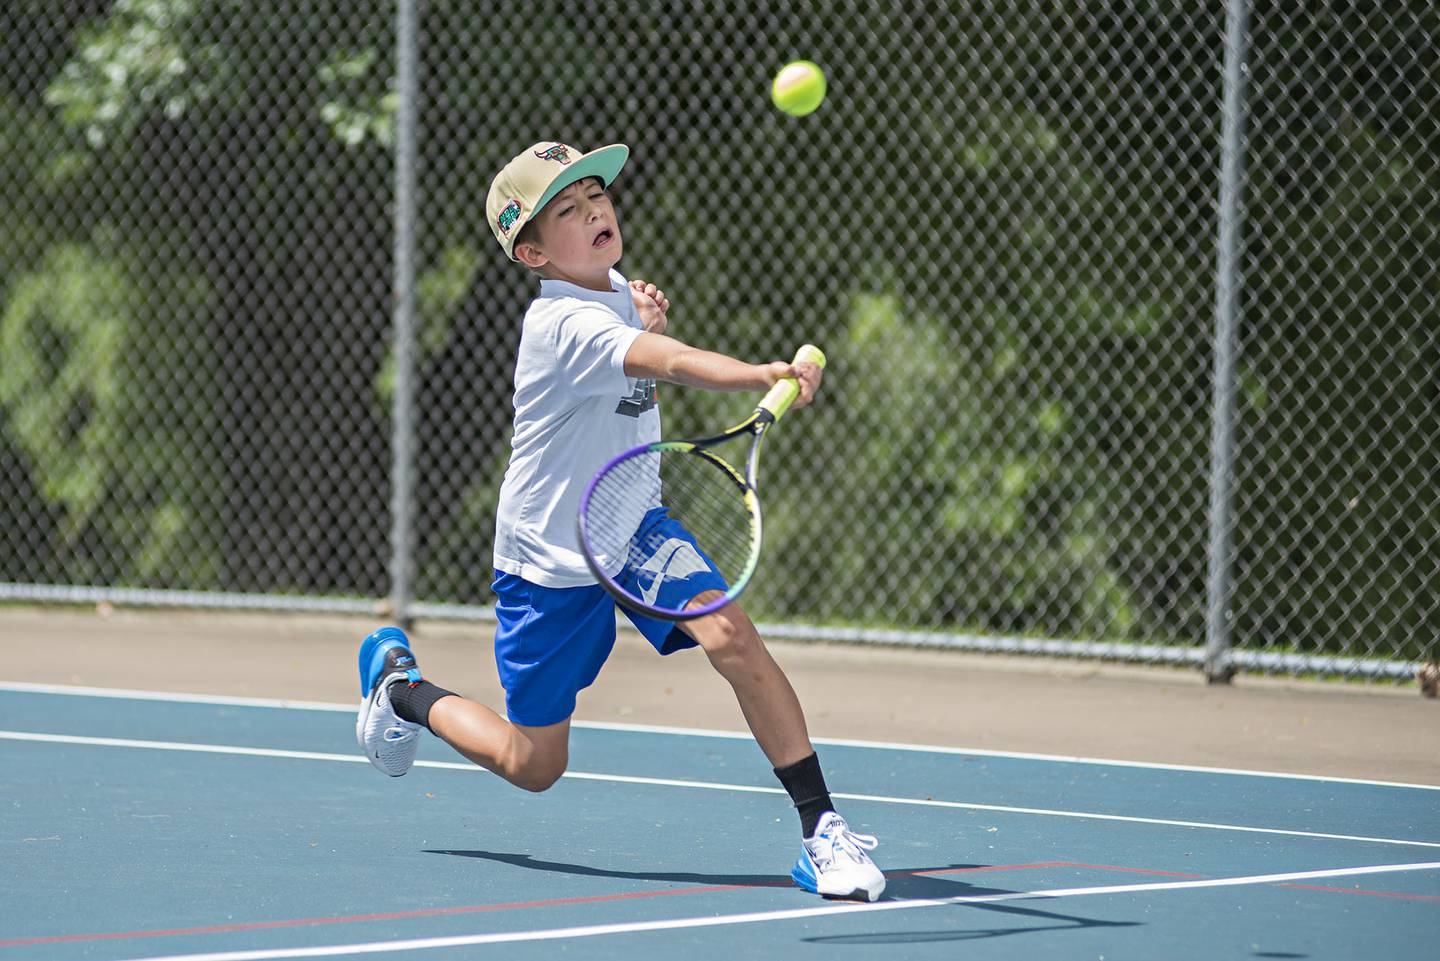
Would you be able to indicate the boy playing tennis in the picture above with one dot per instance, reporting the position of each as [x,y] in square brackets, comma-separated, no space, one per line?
[591,350]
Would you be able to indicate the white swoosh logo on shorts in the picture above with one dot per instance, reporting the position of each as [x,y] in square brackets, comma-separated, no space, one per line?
[674,558]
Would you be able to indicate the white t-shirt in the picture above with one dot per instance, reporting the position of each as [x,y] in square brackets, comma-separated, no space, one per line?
[574,410]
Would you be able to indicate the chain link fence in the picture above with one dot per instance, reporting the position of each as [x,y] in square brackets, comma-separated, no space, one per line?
[1006,226]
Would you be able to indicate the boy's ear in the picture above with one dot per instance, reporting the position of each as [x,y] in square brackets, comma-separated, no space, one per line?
[531,255]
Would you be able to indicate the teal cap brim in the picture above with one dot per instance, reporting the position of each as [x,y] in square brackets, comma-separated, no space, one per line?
[602,162]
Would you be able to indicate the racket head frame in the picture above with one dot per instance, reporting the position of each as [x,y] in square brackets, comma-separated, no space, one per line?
[746,484]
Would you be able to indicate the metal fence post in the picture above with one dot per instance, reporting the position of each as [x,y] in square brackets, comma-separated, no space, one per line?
[1218,642]
[402,560]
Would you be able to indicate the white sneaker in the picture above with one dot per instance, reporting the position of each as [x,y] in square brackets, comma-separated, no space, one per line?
[833,862]
[389,742]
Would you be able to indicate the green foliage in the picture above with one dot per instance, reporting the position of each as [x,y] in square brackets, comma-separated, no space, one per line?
[135,61]
[439,292]
[1337,518]
[952,492]
[353,111]
[84,388]
[63,335]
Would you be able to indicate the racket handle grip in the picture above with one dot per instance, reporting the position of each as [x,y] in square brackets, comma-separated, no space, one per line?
[783,394]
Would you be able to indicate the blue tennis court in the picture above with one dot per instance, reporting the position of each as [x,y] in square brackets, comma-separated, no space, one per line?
[156,826]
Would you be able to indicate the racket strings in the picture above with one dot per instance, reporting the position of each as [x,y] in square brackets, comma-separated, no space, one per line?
[618,503]
[698,493]
[705,498]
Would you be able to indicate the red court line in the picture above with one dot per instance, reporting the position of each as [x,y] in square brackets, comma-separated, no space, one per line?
[391,916]
[1048,864]
[1373,894]
[978,868]
[1116,867]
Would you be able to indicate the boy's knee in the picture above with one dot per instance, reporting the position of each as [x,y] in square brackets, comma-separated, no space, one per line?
[540,776]
[729,636]
[535,764]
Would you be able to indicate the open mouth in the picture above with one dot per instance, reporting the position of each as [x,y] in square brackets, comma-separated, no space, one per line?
[603,238]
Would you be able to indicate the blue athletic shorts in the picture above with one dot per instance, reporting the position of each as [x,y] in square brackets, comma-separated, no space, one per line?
[552,641]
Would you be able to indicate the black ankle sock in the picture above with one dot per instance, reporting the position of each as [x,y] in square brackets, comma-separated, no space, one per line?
[805,783]
[412,702]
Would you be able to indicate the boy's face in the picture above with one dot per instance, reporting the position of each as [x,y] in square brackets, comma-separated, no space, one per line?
[579,237]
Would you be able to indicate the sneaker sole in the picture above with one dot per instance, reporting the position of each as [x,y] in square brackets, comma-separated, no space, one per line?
[362,720]
[859,894]
[806,883]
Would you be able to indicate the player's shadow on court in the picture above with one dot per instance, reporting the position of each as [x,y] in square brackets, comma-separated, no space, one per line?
[1065,922]
[921,884]
[683,877]
[907,885]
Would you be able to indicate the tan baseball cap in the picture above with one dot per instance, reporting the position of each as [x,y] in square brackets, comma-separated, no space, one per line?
[541,171]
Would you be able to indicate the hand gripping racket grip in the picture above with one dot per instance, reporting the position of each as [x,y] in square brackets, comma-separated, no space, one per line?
[783,394]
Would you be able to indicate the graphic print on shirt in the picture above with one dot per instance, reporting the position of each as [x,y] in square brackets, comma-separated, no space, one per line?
[641,399]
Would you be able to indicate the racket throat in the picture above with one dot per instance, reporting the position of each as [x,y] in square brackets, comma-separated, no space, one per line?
[752,462]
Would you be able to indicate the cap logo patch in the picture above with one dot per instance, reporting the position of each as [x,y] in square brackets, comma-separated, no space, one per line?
[508,216]
[557,152]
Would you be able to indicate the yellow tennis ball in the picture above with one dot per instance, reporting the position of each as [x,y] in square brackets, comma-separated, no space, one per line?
[798,88]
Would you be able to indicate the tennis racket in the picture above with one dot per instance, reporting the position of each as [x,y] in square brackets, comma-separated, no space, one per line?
[717,503]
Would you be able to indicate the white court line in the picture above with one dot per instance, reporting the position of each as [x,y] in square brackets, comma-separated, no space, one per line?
[595,930]
[1012,755]
[695,785]
[23,687]
[232,701]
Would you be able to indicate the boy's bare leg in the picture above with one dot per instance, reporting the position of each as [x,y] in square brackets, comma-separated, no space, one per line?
[532,758]
[767,700]
[834,862]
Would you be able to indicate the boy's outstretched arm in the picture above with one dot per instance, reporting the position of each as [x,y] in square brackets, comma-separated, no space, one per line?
[665,358]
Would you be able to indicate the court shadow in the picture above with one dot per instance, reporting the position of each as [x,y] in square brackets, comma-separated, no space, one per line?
[908,884]
[921,884]
[682,877]
[1065,922]
[902,885]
